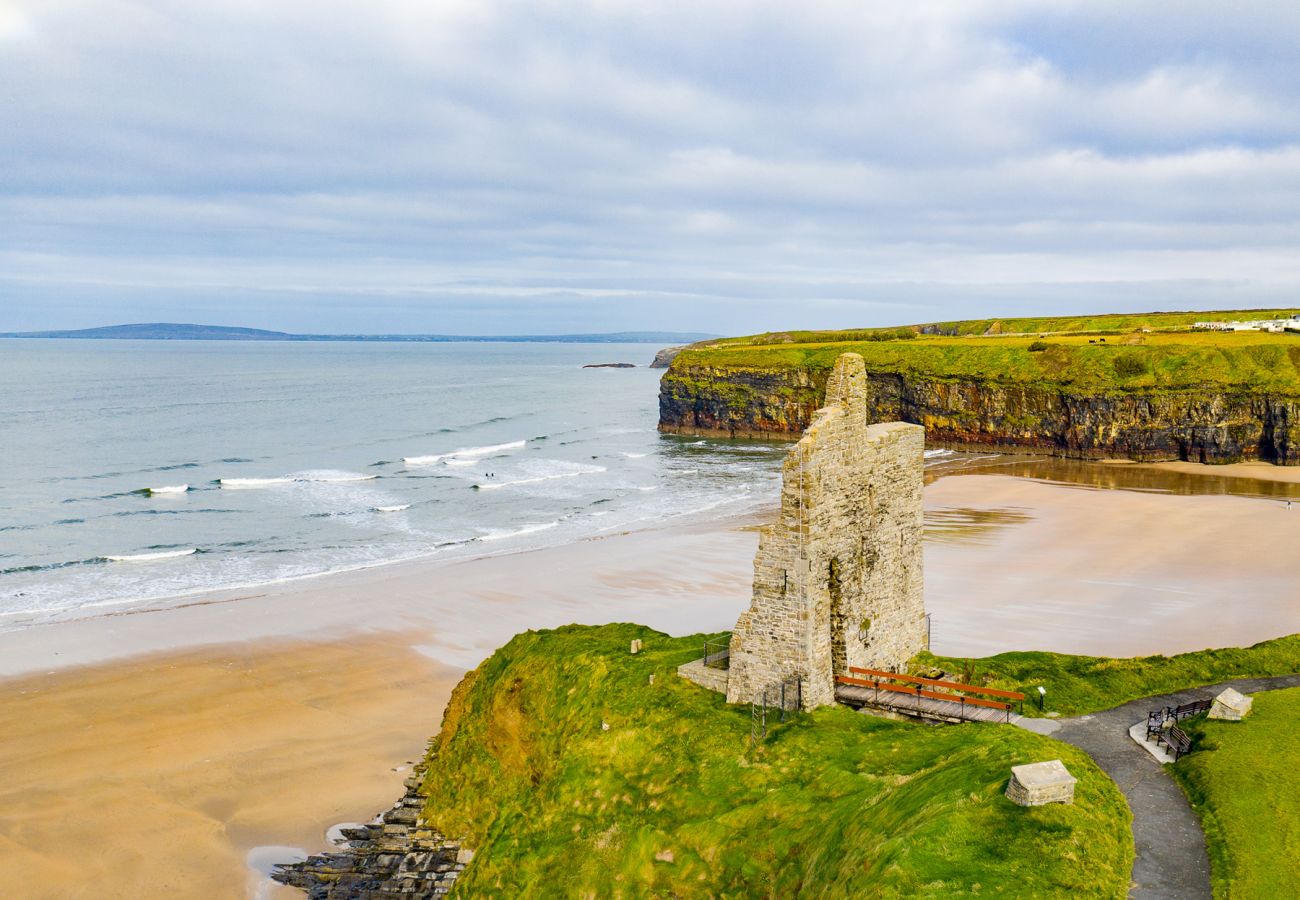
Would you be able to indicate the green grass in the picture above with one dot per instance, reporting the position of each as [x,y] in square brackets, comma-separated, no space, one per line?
[1083,684]
[1185,361]
[1241,779]
[669,801]
[1107,324]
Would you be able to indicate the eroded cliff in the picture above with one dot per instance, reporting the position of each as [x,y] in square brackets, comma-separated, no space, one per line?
[1162,402]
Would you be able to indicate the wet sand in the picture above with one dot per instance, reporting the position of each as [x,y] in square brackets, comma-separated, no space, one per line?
[146,753]
[1020,564]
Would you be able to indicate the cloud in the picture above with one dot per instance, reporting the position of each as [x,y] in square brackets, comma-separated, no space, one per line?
[730,166]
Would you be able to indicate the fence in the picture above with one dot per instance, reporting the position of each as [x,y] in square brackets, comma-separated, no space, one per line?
[717,653]
[784,696]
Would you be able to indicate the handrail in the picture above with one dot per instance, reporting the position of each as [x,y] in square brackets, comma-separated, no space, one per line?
[951,685]
[918,691]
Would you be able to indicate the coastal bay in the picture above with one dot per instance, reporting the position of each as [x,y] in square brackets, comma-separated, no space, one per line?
[242,706]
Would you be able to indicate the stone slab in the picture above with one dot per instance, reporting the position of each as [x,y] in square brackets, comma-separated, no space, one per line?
[1035,784]
[1231,706]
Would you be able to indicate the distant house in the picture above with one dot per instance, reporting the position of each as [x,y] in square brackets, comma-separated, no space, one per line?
[1273,326]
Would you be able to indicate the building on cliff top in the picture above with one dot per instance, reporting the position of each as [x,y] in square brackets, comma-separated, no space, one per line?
[838,576]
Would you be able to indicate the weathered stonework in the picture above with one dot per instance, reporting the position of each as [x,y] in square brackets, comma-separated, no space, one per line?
[837,578]
[705,676]
[1231,706]
[1040,783]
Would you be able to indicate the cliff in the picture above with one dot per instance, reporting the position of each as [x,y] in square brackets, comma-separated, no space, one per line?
[573,767]
[1213,398]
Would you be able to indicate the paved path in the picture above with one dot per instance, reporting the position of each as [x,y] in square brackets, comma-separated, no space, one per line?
[1171,861]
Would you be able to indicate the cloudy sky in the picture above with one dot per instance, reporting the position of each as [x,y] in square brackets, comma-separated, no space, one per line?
[487,167]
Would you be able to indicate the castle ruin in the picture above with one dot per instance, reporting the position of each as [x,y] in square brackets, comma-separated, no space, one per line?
[837,578]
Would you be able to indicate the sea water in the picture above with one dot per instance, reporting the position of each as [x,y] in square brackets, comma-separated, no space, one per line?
[140,470]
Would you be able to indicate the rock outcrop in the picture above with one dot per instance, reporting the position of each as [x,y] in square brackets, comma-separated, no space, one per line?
[664,358]
[396,858]
[1201,426]
[837,578]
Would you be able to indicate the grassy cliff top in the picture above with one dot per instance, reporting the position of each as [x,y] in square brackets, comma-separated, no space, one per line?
[1077,685]
[1241,781]
[572,774]
[1101,354]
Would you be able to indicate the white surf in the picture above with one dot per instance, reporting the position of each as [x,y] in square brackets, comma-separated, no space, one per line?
[152,557]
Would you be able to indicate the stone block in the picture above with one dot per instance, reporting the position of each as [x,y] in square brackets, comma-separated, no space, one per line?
[1230,706]
[636,646]
[1038,783]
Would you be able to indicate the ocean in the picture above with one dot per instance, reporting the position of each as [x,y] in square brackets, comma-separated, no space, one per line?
[141,470]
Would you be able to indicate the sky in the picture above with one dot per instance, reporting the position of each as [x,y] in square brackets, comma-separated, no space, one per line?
[486,167]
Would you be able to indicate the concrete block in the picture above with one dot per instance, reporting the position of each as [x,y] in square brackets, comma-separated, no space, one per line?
[1038,783]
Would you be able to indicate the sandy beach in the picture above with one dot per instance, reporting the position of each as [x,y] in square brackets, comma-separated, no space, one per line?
[175,741]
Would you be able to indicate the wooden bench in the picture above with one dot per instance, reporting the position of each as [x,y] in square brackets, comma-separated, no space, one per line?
[1183,711]
[1156,722]
[1176,740]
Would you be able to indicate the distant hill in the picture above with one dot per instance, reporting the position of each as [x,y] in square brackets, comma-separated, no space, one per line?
[168,331]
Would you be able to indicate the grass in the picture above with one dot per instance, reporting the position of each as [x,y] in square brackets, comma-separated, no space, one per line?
[669,801]
[1137,363]
[1107,324]
[1077,685]
[1241,780]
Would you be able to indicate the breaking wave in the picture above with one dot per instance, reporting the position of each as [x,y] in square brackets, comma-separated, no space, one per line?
[501,534]
[168,489]
[463,453]
[151,557]
[252,482]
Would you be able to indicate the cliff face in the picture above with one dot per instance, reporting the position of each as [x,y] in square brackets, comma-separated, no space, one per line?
[1210,426]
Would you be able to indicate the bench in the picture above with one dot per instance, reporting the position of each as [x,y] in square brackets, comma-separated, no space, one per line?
[1176,740]
[1178,713]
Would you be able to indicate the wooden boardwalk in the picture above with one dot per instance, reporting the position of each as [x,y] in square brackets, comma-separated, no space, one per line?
[923,707]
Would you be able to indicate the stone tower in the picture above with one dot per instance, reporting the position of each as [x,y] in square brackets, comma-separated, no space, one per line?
[837,578]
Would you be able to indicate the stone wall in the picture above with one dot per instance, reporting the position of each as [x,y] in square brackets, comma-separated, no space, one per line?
[837,578]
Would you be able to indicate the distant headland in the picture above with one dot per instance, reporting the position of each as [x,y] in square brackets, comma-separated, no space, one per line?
[167,331]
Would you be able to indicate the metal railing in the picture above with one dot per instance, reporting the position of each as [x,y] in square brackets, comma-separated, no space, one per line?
[717,653]
[785,696]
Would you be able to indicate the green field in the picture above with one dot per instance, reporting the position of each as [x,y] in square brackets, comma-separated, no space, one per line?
[1242,781]
[1094,355]
[668,800]
[1077,685]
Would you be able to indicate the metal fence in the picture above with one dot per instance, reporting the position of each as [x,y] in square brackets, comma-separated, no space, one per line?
[717,653]
[783,698]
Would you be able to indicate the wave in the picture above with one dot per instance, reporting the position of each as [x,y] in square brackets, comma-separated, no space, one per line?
[933,454]
[497,485]
[463,453]
[331,477]
[398,508]
[455,461]
[322,477]
[503,534]
[635,455]
[47,567]
[168,489]
[151,557]
[252,482]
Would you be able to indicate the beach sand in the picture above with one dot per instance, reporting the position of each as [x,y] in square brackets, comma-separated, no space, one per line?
[156,777]
[145,754]
[1019,564]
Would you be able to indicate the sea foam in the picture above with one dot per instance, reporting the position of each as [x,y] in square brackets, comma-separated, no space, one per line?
[168,489]
[463,453]
[151,557]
